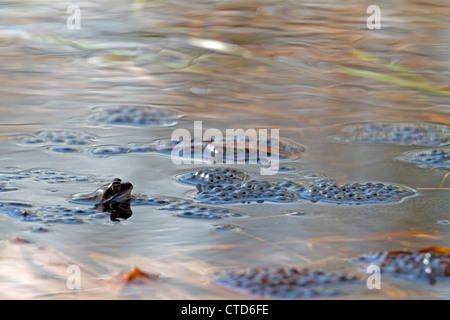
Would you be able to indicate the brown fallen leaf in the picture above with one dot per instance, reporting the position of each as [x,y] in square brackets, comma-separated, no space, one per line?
[19,240]
[135,275]
[436,249]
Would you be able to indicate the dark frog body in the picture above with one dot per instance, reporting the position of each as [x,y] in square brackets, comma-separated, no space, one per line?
[114,197]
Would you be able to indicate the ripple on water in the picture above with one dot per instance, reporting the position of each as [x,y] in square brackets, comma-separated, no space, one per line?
[4,187]
[401,133]
[137,115]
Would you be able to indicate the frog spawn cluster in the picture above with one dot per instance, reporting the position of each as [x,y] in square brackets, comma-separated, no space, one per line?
[66,141]
[62,141]
[185,208]
[135,115]
[47,175]
[214,186]
[413,265]
[248,191]
[49,214]
[401,133]
[214,176]
[432,158]
[291,282]
[354,193]
[287,282]
[224,185]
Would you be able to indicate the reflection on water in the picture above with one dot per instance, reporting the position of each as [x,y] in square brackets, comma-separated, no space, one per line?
[117,210]
[352,106]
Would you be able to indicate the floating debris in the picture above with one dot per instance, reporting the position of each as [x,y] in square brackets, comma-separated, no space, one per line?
[18,210]
[354,193]
[40,230]
[428,158]
[22,214]
[214,176]
[19,240]
[296,214]
[248,191]
[285,282]
[135,115]
[402,133]
[226,227]
[444,222]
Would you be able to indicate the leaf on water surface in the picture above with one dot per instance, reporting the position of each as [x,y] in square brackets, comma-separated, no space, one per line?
[135,275]
[18,240]
[435,249]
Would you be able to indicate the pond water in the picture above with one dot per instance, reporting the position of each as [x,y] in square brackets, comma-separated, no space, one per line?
[365,112]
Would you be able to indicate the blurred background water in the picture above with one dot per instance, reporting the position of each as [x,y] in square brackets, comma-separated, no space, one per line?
[308,69]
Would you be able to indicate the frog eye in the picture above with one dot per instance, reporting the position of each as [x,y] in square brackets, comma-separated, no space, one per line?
[116,187]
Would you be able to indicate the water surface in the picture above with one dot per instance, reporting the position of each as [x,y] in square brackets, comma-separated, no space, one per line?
[310,70]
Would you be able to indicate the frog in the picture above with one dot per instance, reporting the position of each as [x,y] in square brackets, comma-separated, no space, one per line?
[115,191]
[114,197]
